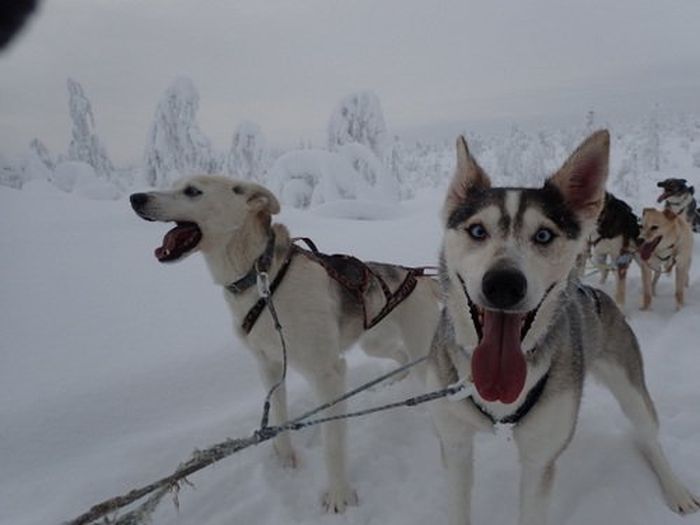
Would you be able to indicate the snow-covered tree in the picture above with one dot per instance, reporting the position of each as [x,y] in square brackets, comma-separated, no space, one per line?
[384,186]
[42,153]
[359,118]
[85,146]
[176,146]
[651,153]
[521,158]
[247,159]
[396,160]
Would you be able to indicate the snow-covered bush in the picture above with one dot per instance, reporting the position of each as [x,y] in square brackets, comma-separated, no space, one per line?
[384,184]
[85,146]
[11,173]
[310,177]
[359,118]
[80,178]
[176,146]
[247,159]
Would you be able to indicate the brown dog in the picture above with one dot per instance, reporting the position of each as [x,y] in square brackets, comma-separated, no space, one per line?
[667,241]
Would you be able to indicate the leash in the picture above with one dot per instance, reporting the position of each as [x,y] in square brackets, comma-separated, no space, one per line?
[263,284]
[265,292]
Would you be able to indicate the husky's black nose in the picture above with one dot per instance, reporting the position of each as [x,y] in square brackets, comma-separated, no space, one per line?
[138,200]
[504,288]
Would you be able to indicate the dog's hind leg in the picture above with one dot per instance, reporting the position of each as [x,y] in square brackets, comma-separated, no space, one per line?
[271,372]
[329,383]
[622,372]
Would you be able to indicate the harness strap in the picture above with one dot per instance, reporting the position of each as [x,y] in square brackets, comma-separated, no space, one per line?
[257,309]
[356,288]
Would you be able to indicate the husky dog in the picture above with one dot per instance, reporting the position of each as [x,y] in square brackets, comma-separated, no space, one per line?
[522,329]
[230,223]
[679,198]
[614,242]
[667,242]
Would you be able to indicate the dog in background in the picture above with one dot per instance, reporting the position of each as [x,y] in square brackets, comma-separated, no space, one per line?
[679,198]
[666,243]
[520,327]
[614,243]
[230,223]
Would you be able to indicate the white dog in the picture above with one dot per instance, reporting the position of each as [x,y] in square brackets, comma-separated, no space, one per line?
[230,223]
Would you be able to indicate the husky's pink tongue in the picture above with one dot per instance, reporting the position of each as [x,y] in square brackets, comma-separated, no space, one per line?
[498,365]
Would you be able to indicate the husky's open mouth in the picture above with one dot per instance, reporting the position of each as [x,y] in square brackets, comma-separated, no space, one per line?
[664,195]
[183,238]
[498,364]
[647,248]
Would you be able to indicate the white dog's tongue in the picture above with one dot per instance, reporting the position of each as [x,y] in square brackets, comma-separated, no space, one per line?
[498,365]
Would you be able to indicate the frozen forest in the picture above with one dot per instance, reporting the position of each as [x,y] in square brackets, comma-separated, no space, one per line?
[363,160]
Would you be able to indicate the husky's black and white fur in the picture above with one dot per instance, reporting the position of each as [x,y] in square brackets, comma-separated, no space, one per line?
[522,329]
[679,197]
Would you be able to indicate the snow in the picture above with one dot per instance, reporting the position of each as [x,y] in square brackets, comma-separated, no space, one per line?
[114,368]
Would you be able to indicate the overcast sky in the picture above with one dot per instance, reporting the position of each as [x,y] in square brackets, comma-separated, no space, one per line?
[285,64]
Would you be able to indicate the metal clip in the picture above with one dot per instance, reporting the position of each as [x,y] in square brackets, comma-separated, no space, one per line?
[263,284]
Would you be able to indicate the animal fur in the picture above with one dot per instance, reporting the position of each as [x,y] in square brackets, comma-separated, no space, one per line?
[614,242]
[518,324]
[666,243]
[229,222]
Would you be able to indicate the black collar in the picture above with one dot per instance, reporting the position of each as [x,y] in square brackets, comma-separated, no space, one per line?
[533,396]
[261,264]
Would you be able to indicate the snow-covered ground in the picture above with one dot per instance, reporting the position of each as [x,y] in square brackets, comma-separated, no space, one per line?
[114,368]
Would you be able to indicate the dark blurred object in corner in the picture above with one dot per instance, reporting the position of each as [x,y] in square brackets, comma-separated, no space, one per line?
[13,15]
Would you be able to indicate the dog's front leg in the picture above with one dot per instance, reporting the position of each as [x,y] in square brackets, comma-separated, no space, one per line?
[456,428]
[459,459]
[271,373]
[646,286]
[330,384]
[541,437]
[681,280]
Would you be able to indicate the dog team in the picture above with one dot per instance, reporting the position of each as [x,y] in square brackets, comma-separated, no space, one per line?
[508,314]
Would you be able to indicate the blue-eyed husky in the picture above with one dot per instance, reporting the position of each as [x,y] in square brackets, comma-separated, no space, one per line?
[520,326]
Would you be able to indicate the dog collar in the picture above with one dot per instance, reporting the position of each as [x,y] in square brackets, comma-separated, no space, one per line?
[531,399]
[262,264]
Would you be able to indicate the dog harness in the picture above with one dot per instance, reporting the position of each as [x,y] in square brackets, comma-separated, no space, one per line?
[351,273]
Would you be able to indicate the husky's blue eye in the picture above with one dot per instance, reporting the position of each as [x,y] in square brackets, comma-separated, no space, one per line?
[543,236]
[477,232]
[191,191]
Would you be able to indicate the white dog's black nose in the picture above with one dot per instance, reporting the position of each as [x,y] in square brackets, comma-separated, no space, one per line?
[504,288]
[138,200]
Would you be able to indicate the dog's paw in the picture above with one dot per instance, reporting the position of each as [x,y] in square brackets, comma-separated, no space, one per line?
[336,500]
[287,457]
[683,501]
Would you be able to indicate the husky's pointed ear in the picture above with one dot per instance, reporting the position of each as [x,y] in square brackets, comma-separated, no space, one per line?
[581,180]
[469,176]
[260,199]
